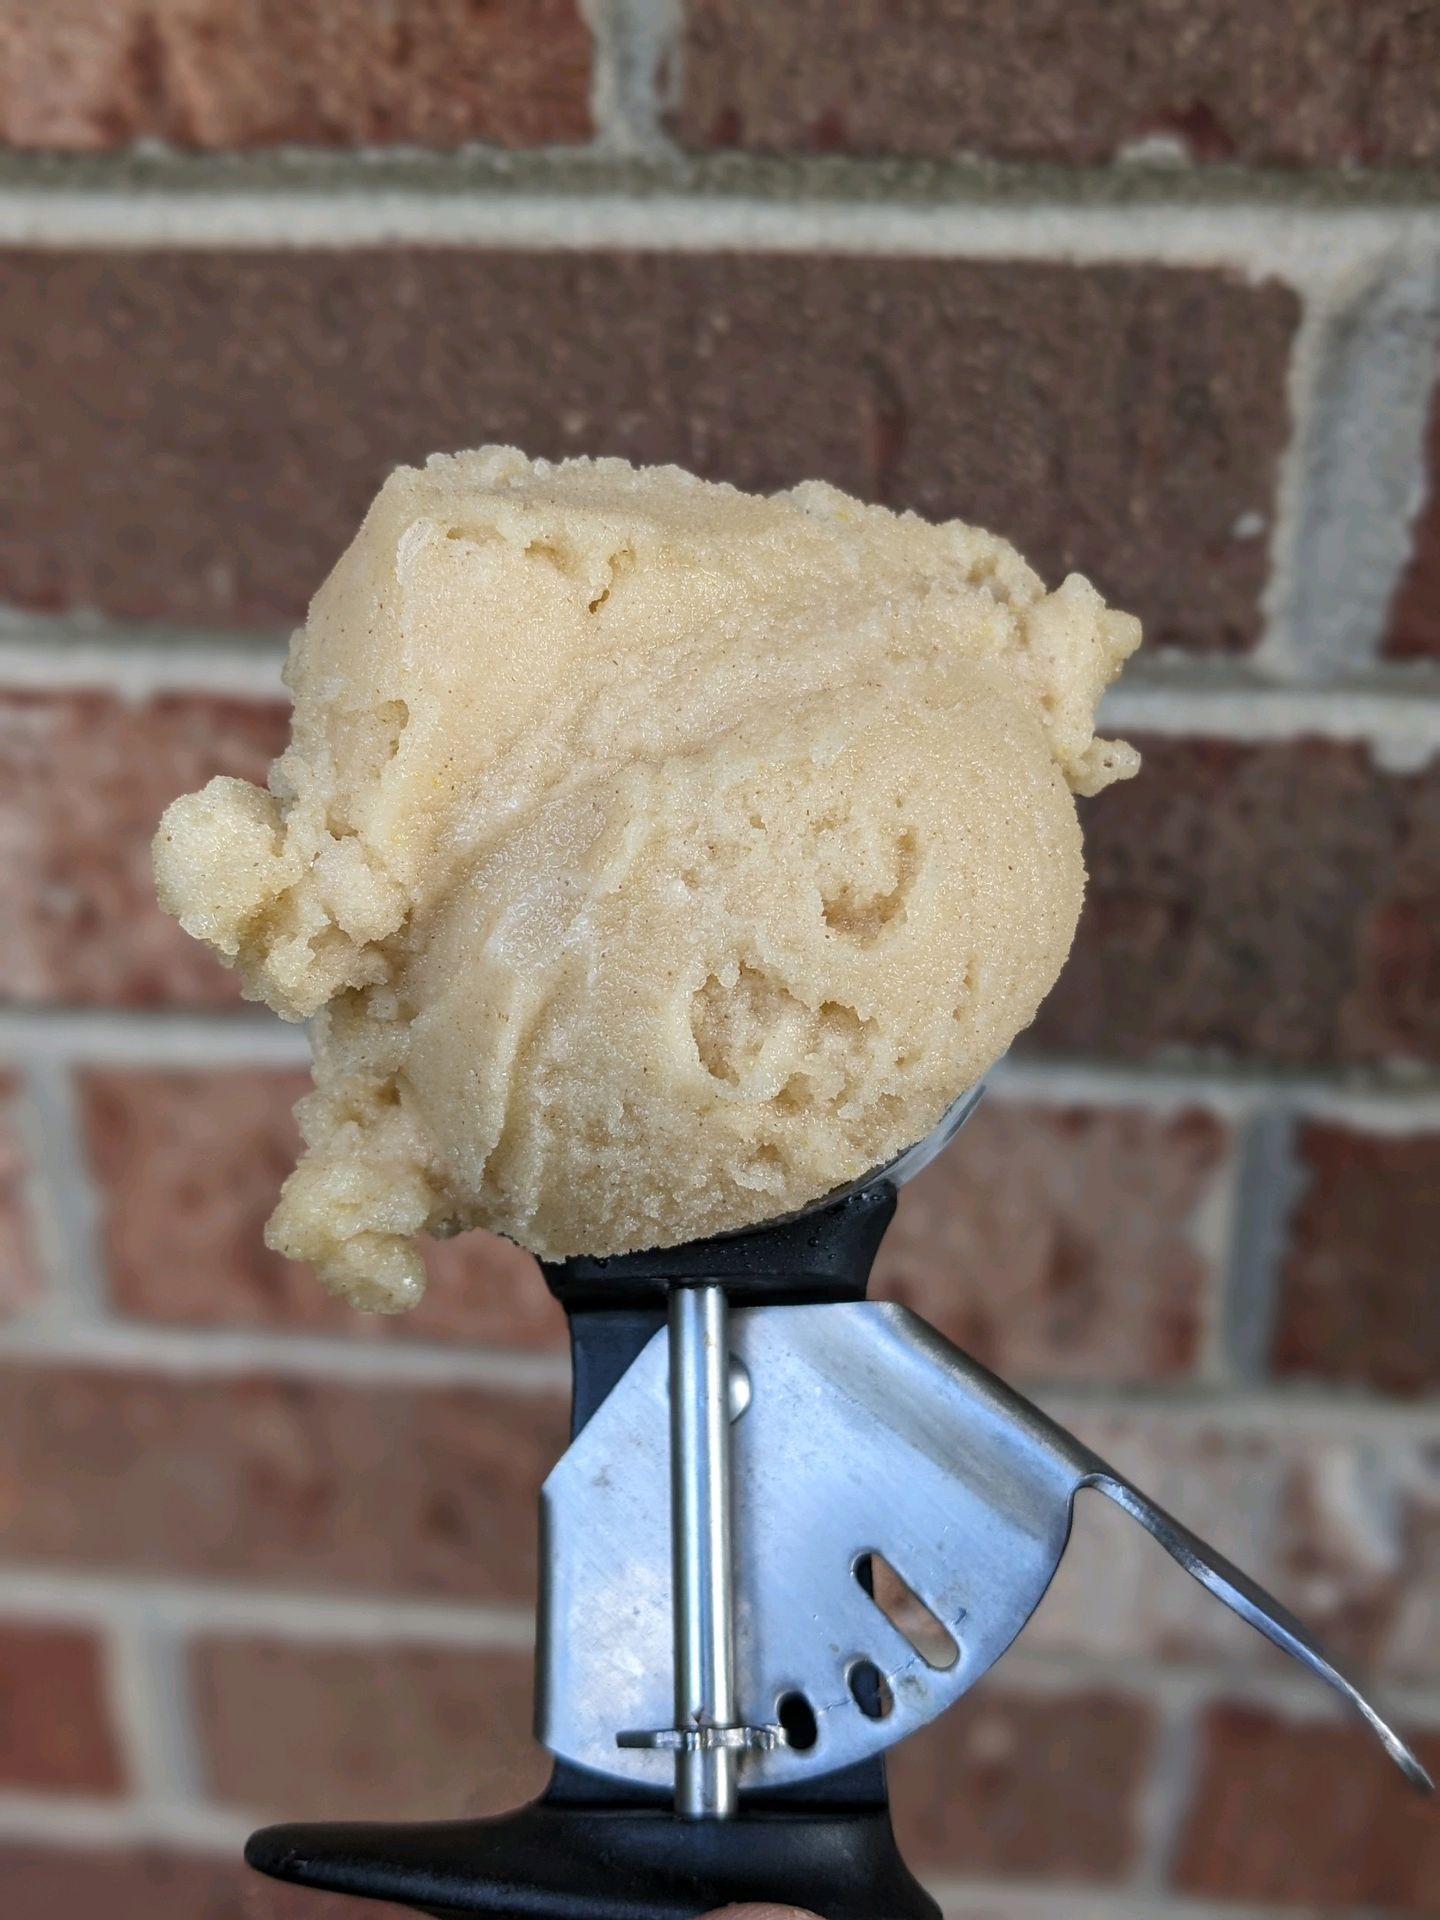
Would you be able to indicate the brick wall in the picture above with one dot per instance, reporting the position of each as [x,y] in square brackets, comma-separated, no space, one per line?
[1159,295]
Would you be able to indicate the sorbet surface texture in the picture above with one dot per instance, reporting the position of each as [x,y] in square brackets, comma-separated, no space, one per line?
[651,857]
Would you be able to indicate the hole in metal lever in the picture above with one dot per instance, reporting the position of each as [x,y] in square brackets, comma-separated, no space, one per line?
[797,1717]
[870,1690]
[907,1612]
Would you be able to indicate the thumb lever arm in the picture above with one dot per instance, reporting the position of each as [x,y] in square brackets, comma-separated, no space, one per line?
[1247,1598]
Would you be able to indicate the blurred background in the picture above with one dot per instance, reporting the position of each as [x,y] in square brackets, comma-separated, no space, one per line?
[1155,291]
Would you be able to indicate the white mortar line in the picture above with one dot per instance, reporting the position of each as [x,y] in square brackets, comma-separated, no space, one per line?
[1307,245]
[133,1604]
[1372,1103]
[136,669]
[106,1038]
[1297,485]
[1282,1413]
[1164,1796]
[150,1697]
[65,1197]
[204,1354]
[1355,472]
[43,1219]
[1210,1230]
[187,1609]
[1269,1186]
[1400,724]
[62,1821]
[224,1353]
[1398,1106]
[1266,1680]
[1400,721]
[608,105]
[635,42]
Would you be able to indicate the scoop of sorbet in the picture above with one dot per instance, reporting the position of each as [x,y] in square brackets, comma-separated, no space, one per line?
[653,857]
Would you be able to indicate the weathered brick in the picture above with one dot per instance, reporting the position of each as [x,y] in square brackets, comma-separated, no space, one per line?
[1057,80]
[1044,1786]
[189,1164]
[311,1483]
[148,1883]
[1060,1244]
[1288,1810]
[1340,1524]
[1414,627]
[194,436]
[55,1728]
[1357,1291]
[257,73]
[21,1281]
[1279,899]
[366,1732]
[84,778]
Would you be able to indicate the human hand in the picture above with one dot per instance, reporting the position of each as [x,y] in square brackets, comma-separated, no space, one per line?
[759,1910]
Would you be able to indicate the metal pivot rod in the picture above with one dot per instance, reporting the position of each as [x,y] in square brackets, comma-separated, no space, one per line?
[700,1539]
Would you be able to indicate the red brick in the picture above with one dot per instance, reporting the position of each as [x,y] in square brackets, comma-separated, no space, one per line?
[366,1732]
[189,1164]
[1414,631]
[49,1883]
[1279,900]
[55,1728]
[309,1483]
[21,1282]
[1358,1298]
[83,781]
[1067,80]
[258,73]
[1060,1244]
[1341,1525]
[194,436]
[1044,1786]
[1288,1811]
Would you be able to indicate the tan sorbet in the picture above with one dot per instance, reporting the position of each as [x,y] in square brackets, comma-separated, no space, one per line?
[652,857]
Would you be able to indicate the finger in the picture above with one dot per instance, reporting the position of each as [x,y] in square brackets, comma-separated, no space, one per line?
[758,1910]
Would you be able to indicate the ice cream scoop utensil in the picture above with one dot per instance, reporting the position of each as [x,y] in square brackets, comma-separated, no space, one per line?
[791,1527]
